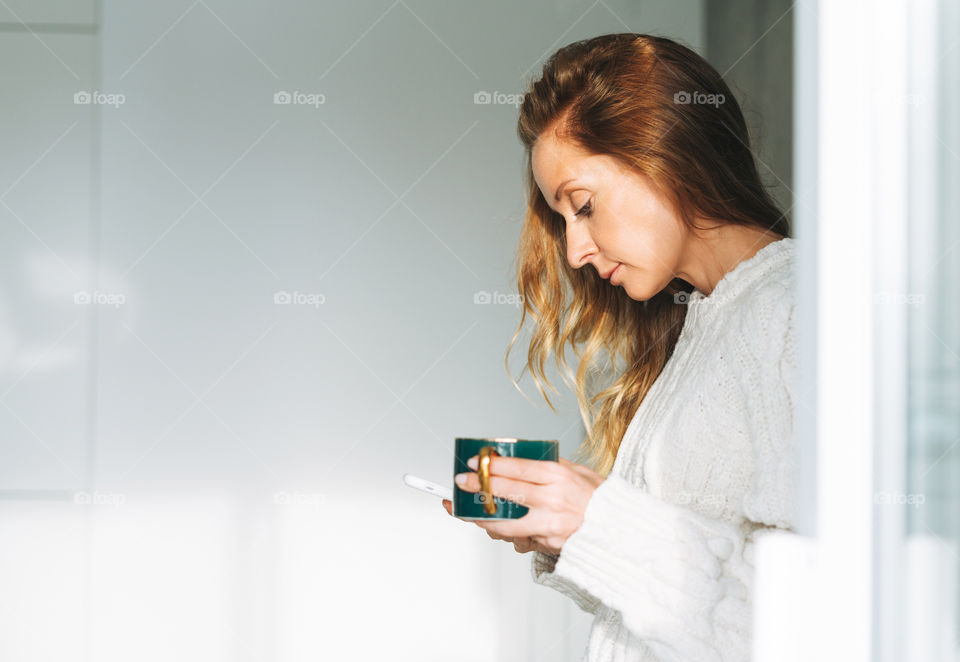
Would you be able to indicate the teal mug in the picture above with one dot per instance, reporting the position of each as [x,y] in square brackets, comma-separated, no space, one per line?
[482,504]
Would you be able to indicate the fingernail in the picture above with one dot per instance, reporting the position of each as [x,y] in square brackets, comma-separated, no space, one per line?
[461,479]
[472,463]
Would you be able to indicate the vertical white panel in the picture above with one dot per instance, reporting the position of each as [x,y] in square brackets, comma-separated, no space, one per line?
[891,103]
[931,565]
[861,195]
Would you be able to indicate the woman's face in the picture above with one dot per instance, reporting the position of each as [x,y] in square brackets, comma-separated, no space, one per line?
[614,218]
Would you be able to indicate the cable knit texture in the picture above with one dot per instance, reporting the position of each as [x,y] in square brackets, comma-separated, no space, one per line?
[664,556]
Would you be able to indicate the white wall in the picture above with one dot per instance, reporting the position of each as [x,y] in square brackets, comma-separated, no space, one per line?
[242,459]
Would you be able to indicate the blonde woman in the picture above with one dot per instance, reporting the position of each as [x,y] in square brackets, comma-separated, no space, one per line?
[651,246]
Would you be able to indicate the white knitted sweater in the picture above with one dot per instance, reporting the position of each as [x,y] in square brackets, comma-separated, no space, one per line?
[664,556]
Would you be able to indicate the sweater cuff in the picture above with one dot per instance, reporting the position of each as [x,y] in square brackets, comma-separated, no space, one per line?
[664,567]
[541,568]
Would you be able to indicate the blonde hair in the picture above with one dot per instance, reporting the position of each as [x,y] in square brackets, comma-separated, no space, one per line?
[619,95]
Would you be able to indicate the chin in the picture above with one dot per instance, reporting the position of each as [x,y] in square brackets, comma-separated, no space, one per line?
[633,294]
[640,298]
[640,294]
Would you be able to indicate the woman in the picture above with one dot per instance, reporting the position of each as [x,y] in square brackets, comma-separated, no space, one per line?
[639,165]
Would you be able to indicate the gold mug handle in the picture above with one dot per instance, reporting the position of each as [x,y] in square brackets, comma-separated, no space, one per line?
[483,470]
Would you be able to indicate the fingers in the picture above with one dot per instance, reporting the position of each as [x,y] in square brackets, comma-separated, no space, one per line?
[526,544]
[514,532]
[505,529]
[521,468]
[523,545]
[516,491]
[448,506]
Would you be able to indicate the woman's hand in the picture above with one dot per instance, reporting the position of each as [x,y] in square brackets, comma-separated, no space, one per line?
[556,494]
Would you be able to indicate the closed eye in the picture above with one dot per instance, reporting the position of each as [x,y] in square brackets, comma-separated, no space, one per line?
[585,210]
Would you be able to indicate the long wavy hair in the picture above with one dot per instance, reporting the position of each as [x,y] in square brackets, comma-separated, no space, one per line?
[642,100]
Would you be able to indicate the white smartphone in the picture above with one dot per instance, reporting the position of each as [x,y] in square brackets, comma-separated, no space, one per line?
[428,486]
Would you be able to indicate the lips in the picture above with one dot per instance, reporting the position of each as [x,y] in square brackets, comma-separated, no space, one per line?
[615,274]
[610,273]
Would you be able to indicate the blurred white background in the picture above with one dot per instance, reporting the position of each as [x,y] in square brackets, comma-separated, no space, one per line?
[228,325]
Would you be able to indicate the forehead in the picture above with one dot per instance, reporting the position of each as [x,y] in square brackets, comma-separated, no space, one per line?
[555,160]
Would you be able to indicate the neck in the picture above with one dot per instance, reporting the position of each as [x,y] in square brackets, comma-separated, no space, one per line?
[708,255]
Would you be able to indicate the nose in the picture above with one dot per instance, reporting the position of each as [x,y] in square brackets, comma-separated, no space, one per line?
[580,245]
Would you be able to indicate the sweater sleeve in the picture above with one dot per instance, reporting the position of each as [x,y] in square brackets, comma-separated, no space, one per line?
[682,581]
[542,569]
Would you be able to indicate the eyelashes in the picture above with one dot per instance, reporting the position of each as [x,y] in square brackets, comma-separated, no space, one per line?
[585,210]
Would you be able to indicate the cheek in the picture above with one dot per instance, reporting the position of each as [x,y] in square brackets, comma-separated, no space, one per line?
[636,227]
[644,242]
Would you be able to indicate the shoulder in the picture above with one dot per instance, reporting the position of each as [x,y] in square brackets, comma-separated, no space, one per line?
[755,300]
[769,305]
[766,330]
[770,282]
[755,336]
[762,315]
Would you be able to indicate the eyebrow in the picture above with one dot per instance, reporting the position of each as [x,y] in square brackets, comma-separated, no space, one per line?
[556,196]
